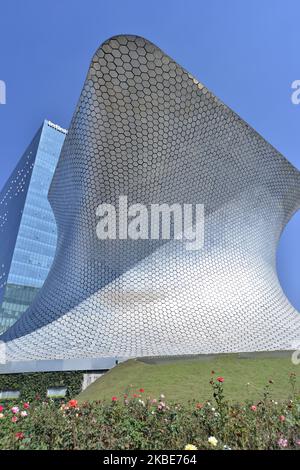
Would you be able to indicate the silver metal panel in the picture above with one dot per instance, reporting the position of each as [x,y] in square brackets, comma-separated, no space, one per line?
[145,128]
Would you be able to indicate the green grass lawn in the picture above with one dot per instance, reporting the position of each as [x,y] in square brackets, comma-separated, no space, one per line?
[188,379]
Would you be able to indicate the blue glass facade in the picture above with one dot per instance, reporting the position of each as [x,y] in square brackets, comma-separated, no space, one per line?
[27,225]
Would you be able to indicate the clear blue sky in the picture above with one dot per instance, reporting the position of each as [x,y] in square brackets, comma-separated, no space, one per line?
[246,52]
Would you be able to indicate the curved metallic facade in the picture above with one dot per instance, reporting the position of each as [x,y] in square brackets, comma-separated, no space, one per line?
[146,128]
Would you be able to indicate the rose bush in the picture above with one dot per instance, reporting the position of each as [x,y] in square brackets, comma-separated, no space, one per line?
[128,422]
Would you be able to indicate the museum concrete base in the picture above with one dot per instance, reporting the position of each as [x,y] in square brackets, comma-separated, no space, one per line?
[103,364]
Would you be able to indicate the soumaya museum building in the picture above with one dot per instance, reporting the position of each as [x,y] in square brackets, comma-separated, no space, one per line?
[146,129]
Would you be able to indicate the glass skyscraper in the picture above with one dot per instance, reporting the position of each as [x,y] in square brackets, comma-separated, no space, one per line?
[27,225]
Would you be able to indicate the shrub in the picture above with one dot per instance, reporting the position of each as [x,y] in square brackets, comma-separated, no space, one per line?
[136,421]
[36,384]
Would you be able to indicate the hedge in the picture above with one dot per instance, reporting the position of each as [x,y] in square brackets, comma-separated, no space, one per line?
[35,384]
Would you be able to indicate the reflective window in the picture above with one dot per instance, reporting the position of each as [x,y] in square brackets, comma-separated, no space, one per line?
[28,232]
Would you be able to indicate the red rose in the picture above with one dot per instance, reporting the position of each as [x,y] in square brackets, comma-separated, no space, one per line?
[1,408]
[20,435]
[114,399]
[73,403]
[135,395]
[220,379]
[26,405]
[141,390]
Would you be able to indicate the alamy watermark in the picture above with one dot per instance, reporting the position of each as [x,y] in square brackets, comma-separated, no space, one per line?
[183,222]
[2,352]
[2,92]
[296,353]
[295,97]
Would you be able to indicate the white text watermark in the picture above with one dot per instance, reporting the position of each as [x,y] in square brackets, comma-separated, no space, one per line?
[295,97]
[183,222]
[2,92]
[2,352]
[296,353]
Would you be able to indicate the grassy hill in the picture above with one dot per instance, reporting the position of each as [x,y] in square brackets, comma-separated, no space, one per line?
[188,379]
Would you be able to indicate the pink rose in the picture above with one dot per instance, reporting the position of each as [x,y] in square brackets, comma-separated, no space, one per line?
[282,442]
